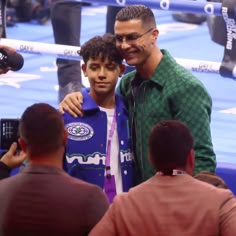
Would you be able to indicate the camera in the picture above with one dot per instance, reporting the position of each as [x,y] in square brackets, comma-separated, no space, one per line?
[10,59]
[9,133]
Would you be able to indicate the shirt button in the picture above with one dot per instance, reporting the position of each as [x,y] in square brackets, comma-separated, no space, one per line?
[125,172]
[122,142]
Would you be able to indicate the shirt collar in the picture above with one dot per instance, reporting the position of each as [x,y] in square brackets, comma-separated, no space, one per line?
[162,72]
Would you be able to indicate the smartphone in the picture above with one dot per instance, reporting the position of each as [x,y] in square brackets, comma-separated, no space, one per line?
[9,133]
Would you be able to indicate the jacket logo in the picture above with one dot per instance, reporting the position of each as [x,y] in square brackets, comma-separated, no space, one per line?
[79,131]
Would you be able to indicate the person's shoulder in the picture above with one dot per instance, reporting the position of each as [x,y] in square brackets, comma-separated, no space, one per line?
[128,77]
[211,178]
[183,75]
[10,181]
[136,190]
[135,195]
[82,185]
[68,118]
[212,191]
[4,170]
[120,100]
[82,189]
[183,80]
[187,78]
[178,73]
[91,192]
[124,86]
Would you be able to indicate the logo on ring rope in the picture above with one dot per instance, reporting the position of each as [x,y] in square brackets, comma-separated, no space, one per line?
[121,2]
[209,9]
[79,131]
[165,4]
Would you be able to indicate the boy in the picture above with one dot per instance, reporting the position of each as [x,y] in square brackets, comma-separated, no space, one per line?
[99,143]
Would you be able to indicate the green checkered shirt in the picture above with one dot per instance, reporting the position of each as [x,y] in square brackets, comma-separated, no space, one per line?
[172,93]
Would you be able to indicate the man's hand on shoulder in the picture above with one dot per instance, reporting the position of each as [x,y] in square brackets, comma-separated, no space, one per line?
[72,103]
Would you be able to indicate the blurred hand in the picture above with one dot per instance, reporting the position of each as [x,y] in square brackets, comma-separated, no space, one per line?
[72,103]
[8,48]
[13,159]
[5,70]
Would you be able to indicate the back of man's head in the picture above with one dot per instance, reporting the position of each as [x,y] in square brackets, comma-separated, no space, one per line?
[170,144]
[42,129]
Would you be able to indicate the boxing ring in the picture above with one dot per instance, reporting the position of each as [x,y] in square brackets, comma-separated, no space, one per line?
[204,59]
[70,52]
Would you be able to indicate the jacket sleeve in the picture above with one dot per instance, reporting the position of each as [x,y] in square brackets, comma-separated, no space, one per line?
[112,222]
[4,170]
[228,216]
[106,226]
[97,206]
[192,105]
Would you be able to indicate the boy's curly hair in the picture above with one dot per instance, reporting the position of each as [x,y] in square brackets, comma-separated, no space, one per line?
[103,47]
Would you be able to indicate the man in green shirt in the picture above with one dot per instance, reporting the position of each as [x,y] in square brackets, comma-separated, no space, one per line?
[159,89]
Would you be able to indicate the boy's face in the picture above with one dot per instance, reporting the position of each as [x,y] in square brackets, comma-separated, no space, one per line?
[102,76]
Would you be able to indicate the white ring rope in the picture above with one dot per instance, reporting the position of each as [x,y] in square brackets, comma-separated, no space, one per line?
[206,8]
[72,52]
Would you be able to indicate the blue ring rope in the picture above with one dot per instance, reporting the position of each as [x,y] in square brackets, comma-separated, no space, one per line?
[205,8]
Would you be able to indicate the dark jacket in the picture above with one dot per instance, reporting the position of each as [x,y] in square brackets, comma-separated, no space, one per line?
[4,170]
[44,200]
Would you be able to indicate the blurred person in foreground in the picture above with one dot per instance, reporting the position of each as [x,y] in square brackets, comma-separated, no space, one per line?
[171,202]
[42,199]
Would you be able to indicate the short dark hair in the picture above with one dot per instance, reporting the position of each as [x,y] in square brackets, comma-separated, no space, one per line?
[170,142]
[103,47]
[139,12]
[41,126]
[211,178]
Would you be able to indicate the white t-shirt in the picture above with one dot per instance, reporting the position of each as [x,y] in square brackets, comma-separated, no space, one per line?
[114,159]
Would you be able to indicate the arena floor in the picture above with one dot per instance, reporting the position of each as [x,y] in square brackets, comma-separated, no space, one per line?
[37,80]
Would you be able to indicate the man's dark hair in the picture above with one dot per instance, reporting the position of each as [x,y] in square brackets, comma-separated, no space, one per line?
[211,178]
[170,142]
[103,47]
[139,12]
[42,128]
